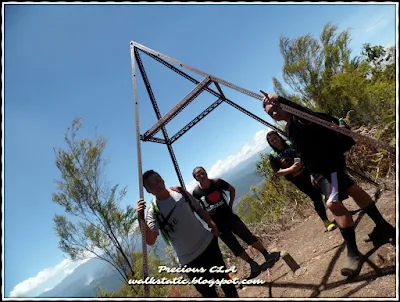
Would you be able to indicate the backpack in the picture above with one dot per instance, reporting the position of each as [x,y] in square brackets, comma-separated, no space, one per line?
[162,221]
[345,142]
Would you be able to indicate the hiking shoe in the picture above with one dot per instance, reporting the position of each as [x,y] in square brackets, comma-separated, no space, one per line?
[379,237]
[329,226]
[270,260]
[255,270]
[352,266]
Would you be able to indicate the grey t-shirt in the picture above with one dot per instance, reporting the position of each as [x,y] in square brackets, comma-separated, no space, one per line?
[189,237]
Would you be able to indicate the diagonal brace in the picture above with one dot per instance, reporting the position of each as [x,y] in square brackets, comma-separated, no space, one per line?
[178,107]
[153,139]
[196,120]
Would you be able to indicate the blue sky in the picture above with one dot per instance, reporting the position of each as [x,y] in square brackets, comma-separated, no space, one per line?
[67,61]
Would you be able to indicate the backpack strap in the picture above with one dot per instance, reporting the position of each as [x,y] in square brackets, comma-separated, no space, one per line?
[184,194]
[274,154]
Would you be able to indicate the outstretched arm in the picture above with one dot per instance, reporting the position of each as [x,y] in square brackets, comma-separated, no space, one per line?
[293,168]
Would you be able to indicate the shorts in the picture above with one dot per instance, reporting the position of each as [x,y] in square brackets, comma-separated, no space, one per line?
[335,185]
[231,226]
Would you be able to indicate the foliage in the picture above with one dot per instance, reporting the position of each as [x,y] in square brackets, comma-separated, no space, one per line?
[273,196]
[97,224]
[323,76]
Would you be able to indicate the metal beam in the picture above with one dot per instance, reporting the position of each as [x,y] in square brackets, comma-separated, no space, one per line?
[195,120]
[178,107]
[146,290]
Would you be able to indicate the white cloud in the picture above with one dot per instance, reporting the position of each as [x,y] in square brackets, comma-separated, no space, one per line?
[248,150]
[377,24]
[45,279]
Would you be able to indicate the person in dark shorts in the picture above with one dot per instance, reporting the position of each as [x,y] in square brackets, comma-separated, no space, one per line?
[196,247]
[212,197]
[282,160]
[322,151]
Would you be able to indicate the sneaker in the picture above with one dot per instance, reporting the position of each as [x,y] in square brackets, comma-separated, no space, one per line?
[351,267]
[330,226]
[255,270]
[270,260]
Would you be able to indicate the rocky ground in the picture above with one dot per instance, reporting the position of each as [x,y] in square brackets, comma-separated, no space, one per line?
[321,255]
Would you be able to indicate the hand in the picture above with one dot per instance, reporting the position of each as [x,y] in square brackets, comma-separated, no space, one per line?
[269,98]
[314,182]
[141,205]
[296,167]
[214,229]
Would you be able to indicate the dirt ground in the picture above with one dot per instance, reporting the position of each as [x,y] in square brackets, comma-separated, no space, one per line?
[321,254]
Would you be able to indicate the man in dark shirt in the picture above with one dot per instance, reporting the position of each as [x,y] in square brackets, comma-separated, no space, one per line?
[210,193]
[322,153]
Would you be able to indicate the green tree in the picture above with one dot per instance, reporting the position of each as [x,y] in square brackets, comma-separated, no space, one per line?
[323,76]
[97,224]
[310,64]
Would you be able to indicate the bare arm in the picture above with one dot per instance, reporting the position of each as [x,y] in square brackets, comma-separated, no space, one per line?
[232,193]
[151,236]
[293,168]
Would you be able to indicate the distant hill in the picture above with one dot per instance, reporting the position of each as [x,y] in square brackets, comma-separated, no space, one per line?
[85,280]
[243,176]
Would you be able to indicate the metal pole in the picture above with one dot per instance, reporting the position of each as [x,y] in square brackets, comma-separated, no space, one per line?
[142,222]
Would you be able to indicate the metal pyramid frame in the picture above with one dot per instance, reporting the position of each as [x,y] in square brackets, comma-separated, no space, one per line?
[195,92]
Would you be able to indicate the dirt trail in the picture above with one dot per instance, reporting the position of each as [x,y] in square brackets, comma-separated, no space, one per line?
[321,255]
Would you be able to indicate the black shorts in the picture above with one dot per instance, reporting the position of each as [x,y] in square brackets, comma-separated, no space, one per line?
[234,225]
[342,183]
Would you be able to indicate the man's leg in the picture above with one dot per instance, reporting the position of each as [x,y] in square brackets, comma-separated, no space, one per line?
[345,222]
[384,232]
[233,244]
[214,258]
[324,189]
[211,257]
[202,261]
[240,229]
[315,195]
